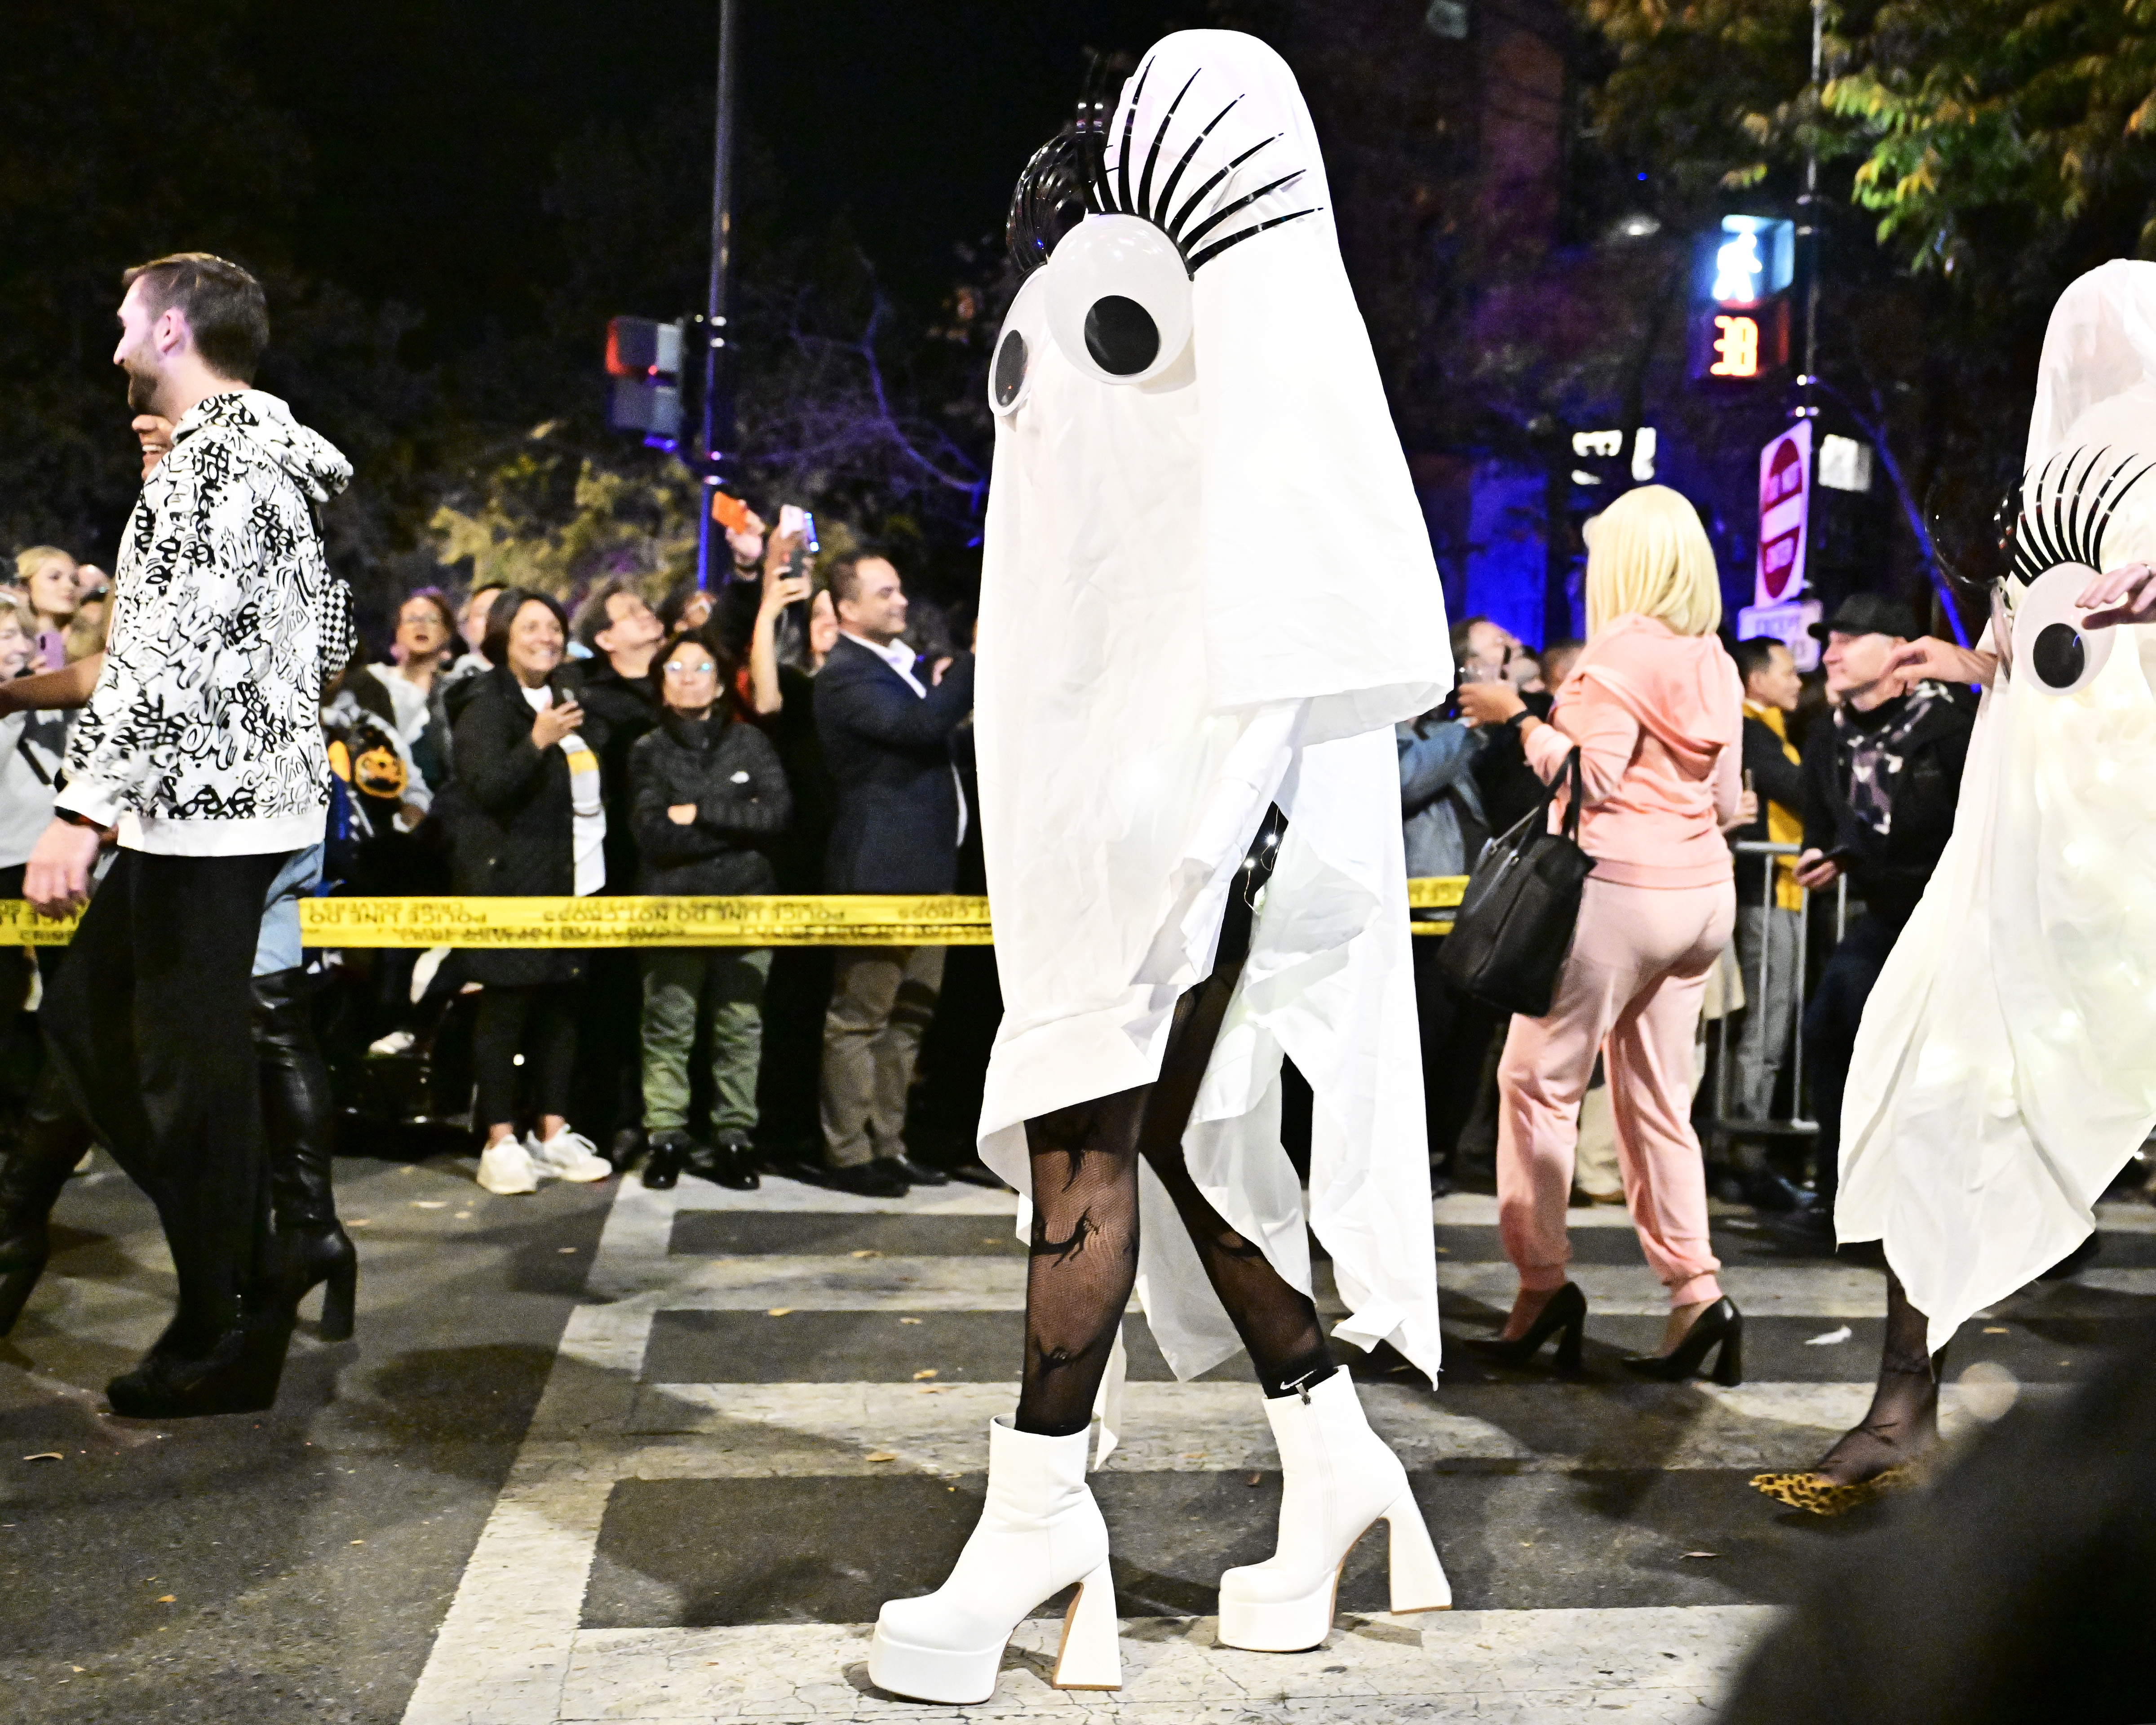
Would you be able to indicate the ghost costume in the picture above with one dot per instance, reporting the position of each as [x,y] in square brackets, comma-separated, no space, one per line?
[2003,1072]
[1207,594]
[1207,588]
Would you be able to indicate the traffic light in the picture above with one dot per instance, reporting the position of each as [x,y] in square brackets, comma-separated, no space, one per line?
[644,360]
[1740,323]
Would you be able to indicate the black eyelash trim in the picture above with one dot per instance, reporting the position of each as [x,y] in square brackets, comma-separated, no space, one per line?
[1219,246]
[1175,179]
[2068,525]
[1072,167]
[1152,156]
[1226,210]
[1198,197]
[1123,155]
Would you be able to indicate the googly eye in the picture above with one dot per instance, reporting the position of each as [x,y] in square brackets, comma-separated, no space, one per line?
[2050,649]
[1007,378]
[1010,372]
[1118,299]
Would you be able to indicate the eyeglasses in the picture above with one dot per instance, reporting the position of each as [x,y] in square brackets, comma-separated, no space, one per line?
[677,668]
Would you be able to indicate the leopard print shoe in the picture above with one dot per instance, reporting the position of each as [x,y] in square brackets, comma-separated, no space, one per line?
[1822,1497]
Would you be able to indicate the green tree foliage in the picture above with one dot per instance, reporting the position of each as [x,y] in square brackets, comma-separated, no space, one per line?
[1976,157]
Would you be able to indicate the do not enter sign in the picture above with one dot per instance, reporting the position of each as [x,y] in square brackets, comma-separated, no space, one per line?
[1785,467]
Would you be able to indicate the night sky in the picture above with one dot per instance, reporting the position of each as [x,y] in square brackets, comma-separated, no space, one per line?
[435,127]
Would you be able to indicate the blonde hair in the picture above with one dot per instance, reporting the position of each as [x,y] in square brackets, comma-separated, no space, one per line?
[1647,554]
[17,605]
[29,563]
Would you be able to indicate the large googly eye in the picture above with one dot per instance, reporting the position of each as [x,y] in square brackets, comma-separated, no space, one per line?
[1118,299]
[2051,650]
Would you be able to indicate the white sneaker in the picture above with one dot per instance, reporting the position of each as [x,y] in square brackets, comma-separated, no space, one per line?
[567,1156]
[505,1167]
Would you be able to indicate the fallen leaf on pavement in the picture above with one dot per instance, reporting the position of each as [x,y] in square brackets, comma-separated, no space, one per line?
[909,1320]
[46,1455]
[429,1204]
[880,1455]
[1702,1554]
[867,1252]
[930,1373]
[564,1251]
[779,1311]
[1997,1330]
[1829,1338]
[168,1598]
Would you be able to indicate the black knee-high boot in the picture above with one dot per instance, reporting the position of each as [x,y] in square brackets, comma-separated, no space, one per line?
[33,1170]
[309,1246]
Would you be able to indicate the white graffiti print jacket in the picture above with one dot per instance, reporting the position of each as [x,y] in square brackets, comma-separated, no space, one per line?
[203,737]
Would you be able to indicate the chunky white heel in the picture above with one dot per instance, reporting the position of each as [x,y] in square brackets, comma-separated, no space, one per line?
[1338,1478]
[1040,1531]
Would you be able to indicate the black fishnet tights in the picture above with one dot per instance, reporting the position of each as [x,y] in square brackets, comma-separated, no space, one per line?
[1084,1249]
[1903,1419]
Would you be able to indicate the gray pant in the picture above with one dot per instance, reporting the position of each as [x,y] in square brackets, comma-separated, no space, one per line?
[1770,1007]
[882,998]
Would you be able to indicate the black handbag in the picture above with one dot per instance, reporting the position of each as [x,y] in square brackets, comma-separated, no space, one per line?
[1514,923]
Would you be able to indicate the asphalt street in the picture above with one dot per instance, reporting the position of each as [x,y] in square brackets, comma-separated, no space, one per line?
[603,1453]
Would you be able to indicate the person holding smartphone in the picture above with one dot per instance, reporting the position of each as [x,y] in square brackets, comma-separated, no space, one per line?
[1881,776]
[528,818]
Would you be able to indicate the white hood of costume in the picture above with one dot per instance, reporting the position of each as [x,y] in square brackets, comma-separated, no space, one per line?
[1207,586]
[2006,1066]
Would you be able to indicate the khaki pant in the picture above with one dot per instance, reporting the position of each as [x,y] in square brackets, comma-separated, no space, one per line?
[882,998]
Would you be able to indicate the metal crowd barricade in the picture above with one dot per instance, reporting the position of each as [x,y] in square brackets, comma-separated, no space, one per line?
[1799,1124]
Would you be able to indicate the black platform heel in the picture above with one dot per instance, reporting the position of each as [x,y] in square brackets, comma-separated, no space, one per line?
[32,1171]
[1721,1326]
[309,1248]
[1565,1316]
[239,1375]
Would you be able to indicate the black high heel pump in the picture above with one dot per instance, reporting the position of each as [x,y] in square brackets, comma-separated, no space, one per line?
[1565,1316]
[1722,1326]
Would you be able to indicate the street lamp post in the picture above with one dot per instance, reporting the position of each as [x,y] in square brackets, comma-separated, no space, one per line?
[717,431]
[1808,231]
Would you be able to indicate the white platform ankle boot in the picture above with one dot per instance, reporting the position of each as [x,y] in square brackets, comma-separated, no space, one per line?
[1039,1531]
[1338,1478]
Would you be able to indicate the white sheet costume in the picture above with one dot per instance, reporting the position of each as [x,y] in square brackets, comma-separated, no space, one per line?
[1207,587]
[2006,1066]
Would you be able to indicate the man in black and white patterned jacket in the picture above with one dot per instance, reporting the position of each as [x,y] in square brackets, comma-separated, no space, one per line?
[202,744]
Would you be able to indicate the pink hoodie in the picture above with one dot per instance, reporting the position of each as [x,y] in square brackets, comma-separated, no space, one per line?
[1658,720]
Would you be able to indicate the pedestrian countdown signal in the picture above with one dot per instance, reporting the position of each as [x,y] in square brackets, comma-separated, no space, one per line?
[1740,323]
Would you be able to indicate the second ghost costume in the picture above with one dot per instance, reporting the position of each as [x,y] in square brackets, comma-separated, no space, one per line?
[1207,594]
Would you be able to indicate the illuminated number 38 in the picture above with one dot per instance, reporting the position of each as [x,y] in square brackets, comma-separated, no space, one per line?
[1737,348]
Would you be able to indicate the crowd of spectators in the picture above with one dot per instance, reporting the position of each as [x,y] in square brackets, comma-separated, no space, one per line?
[805,730]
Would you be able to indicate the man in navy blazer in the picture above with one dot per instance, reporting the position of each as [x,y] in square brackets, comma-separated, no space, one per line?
[885,719]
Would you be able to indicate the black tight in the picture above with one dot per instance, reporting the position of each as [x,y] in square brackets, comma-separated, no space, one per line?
[1084,1251]
[1903,1419]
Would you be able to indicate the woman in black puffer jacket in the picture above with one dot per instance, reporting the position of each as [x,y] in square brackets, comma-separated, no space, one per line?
[706,791]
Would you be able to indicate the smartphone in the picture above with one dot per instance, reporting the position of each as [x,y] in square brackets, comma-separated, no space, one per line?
[792,519]
[730,511]
[1841,855]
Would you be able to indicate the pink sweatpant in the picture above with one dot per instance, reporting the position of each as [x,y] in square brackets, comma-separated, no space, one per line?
[1638,968]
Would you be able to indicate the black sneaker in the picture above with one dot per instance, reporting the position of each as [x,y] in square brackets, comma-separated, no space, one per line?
[915,1173]
[878,1178]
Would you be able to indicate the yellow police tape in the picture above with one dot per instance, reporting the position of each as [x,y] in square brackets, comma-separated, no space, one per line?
[603,919]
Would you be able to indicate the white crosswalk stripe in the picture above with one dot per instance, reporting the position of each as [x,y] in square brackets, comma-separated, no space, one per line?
[515,1648]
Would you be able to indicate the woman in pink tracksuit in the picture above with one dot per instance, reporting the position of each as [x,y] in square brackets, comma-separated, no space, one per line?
[1654,708]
